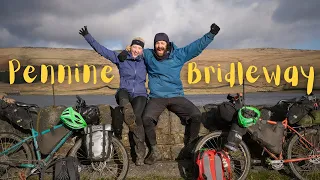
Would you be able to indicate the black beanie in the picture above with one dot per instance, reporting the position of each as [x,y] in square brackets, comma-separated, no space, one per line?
[137,42]
[161,37]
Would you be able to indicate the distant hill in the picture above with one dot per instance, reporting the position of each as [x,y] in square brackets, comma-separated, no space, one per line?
[259,57]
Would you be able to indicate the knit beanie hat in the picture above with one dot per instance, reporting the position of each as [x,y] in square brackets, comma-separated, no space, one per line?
[138,41]
[161,37]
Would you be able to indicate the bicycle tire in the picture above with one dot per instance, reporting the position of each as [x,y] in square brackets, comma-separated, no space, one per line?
[115,141]
[25,146]
[289,151]
[242,144]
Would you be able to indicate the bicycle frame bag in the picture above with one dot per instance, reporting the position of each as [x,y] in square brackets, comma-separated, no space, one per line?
[269,135]
[98,142]
[48,141]
[213,165]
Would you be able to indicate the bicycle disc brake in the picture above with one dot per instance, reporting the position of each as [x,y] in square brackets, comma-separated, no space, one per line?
[99,166]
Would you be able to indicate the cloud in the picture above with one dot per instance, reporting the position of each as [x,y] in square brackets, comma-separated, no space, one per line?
[243,23]
[291,11]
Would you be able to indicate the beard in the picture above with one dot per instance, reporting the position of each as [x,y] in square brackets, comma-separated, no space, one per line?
[160,51]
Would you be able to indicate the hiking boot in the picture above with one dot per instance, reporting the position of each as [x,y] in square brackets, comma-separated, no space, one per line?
[153,156]
[129,116]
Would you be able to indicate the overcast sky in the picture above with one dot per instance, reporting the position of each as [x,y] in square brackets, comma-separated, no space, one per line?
[113,23]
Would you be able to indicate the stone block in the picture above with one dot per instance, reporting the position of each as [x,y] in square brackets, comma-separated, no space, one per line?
[178,138]
[165,151]
[105,113]
[49,116]
[176,125]
[163,125]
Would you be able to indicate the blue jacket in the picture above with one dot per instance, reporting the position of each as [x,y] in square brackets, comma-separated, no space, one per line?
[132,71]
[164,76]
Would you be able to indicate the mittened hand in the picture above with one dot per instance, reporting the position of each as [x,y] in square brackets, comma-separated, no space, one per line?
[123,56]
[214,29]
[84,31]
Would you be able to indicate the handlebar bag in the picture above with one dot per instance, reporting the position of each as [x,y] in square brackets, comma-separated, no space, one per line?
[91,114]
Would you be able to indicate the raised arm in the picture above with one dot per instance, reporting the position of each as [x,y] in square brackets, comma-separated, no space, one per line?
[195,48]
[103,51]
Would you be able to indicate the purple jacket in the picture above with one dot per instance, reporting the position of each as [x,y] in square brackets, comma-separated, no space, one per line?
[132,71]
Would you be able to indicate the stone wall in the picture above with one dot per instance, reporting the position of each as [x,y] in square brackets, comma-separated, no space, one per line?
[170,131]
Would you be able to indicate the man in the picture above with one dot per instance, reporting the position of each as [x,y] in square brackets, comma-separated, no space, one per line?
[164,64]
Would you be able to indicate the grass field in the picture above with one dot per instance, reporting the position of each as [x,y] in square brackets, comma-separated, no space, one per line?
[261,175]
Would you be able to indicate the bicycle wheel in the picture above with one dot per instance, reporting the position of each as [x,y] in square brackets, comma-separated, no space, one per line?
[116,167]
[297,148]
[240,160]
[9,162]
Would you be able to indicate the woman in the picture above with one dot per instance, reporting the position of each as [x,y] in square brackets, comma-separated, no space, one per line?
[132,94]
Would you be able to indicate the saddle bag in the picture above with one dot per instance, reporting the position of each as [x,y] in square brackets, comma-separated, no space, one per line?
[98,142]
[16,115]
[269,135]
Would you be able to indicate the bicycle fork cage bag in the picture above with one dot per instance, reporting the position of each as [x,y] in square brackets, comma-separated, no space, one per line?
[98,142]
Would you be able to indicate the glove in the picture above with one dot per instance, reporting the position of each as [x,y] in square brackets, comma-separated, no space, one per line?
[84,31]
[214,29]
[123,56]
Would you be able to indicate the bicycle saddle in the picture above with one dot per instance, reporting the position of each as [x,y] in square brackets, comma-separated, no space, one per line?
[21,104]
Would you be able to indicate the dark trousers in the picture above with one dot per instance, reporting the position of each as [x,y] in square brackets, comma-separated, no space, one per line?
[188,113]
[138,104]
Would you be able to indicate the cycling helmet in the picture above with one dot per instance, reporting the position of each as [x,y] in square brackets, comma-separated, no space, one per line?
[248,116]
[72,119]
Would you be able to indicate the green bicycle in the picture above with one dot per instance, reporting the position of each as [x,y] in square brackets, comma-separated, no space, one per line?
[18,159]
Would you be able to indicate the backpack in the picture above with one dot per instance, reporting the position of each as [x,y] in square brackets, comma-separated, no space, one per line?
[98,142]
[213,165]
[67,168]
